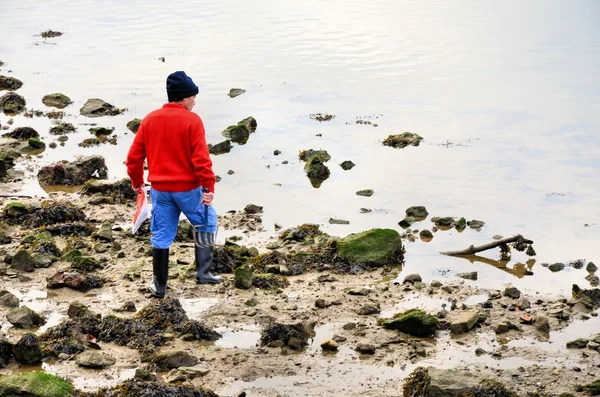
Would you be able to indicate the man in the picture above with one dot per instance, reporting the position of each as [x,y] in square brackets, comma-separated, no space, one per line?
[172,138]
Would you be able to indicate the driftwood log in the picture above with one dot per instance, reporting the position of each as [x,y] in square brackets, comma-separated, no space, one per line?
[519,242]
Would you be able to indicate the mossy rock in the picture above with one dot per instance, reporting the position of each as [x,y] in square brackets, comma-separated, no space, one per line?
[240,132]
[269,281]
[35,384]
[57,100]
[35,143]
[120,191]
[12,103]
[403,140]
[373,248]
[62,129]
[593,389]
[85,263]
[15,210]
[95,107]
[134,125]
[220,148]
[413,322]
[10,83]
[244,277]
[22,133]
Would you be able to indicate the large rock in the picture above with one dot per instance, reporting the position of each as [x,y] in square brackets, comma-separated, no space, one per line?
[403,140]
[104,233]
[95,359]
[373,248]
[10,83]
[12,103]
[464,322]
[413,322]
[23,262]
[240,132]
[174,359]
[77,172]
[244,277]
[95,107]
[22,133]
[220,148]
[35,384]
[417,212]
[24,317]
[57,100]
[27,350]
[8,300]
[315,167]
[6,353]
[450,383]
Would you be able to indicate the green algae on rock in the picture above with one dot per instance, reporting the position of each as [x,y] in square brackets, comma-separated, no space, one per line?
[57,100]
[413,322]
[12,103]
[240,132]
[35,384]
[294,336]
[10,83]
[120,191]
[95,107]
[403,140]
[134,125]
[315,168]
[220,148]
[372,248]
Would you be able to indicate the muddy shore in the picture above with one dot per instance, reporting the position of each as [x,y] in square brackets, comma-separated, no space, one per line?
[500,334]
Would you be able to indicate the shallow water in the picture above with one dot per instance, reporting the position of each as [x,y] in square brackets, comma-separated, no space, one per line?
[504,93]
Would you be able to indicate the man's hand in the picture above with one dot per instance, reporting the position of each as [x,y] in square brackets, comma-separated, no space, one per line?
[207,198]
[138,189]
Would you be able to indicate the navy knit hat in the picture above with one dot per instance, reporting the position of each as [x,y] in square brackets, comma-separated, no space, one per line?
[180,86]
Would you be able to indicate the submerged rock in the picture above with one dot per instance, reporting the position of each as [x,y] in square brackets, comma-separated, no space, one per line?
[35,384]
[10,83]
[12,103]
[403,140]
[77,172]
[95,107]
[413,322]
[57,100]
[236,92]
[373,248]
[417,212]
[240,132]
[27,350]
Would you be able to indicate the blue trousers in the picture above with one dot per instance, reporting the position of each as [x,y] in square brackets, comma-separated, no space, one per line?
[166,209]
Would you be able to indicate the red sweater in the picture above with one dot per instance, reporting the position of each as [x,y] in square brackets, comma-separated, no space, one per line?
[173,140]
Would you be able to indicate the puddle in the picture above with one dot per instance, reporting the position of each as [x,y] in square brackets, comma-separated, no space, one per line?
[244,338]
[194,308]
[52,320]
[416,301]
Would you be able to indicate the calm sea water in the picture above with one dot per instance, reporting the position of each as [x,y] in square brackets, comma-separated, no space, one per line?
[505,93]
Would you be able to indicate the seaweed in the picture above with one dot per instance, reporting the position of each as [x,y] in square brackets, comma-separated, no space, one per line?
[137,388]
[417,384]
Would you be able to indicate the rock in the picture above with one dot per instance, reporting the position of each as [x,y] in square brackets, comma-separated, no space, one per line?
[501,328]
[6,353]
[134,125]
[480,352]
[22,133]
[185,374]
[580,343]
[253,209]
[512,292]
[34,144]
[371,308]
[365,348]
[339,338]
[236,92]
[403,140]
[3,168]
[23,262]
[127,307]
[62,128]
[523,304]
[24,317]
[57,100]
[374,248]
[453,383]
[8,300]
[244,277]
[591,267]
[240,132]
[78,310]
[10,83]
[407,222]
[592,389]
[361,291]
[333,221]
[315,167]
[104,233]
[412,278]
[143,373]
[35,384]
[174,359]
[73,280]
[426,234]
[220,148]
[464,322]
[468,275]
[27,350]
[322,303]
[347,165]
[12,103]
[475,224]
[294,336]
[556,267]
[75,173]
[413,322]
[95,107]
[94,359]
[120,191]
[417,212]
[329,345]
[365,193]
[443,221]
